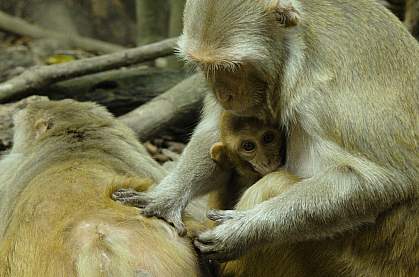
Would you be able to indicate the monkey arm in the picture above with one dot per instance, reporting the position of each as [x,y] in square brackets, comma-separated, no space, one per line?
[195,174]
[341,198]
[337,200]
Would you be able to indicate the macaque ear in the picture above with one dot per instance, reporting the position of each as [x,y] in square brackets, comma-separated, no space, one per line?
[285,13]
[218,153]
[42,125]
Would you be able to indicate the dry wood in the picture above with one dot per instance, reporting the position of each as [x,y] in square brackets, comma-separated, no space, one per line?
[120,90]
[40,77]
[180,102]
[19,26]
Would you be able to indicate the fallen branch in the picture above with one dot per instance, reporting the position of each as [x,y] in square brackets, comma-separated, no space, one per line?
[178,103]
[19,26]
[40,77]
[120,90]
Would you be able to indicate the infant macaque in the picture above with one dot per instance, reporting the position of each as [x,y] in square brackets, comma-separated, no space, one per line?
[252,148]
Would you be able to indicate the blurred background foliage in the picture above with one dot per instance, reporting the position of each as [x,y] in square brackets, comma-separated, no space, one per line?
[124,22]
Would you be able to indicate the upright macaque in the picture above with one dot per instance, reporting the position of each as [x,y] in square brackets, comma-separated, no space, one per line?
[56,214]
[250,146]
[342,78]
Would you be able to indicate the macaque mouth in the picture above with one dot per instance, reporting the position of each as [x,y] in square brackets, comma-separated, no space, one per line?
[264,170]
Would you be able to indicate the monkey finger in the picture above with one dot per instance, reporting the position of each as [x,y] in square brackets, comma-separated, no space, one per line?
[175,222]
[212,252]
[220,216]
[180,228]
[136,201]
[124,193]
[207,237]
[149,212]
[203,248]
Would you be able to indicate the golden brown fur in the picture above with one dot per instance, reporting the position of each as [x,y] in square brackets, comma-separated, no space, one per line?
[249,166]
[342,78]
[274,260]
[344,83]
[352,255]
[67,160]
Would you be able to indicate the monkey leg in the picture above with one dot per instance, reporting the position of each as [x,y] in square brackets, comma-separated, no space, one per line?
[283,260]
[264,189]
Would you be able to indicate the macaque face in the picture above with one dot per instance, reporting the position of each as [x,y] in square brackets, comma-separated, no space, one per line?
[241,92]
[231,42]
[250,145]
[260,149]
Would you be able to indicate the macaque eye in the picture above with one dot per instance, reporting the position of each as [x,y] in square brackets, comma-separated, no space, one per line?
[268,137]
[248,146]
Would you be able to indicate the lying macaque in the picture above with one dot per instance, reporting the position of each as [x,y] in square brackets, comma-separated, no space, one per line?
[56,214]
[250,146]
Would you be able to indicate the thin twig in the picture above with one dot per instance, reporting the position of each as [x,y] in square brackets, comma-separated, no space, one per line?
[180,102]
[39,77]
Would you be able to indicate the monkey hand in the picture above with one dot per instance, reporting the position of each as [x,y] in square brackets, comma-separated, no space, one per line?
[153,204]
[230,239]
[131,197]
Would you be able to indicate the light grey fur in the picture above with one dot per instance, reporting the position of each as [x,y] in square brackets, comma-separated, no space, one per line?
[182,184]
[345,84]
[112,140]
